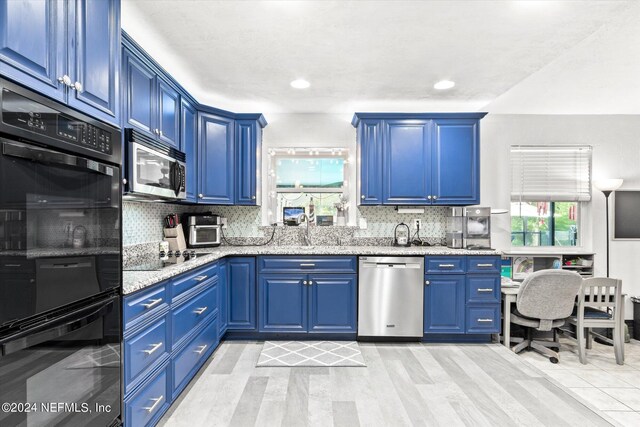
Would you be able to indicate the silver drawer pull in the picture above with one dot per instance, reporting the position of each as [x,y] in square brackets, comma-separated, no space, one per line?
[485,289]
[484,265]
[309,264]
[201,310]
[485,320]
[152,303]
[202,349]
[446,265]
[156,402]
[200,278]
[153,348]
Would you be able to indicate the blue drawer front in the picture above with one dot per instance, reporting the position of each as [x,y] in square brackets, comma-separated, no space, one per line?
[150,402]
[147,302]
[188,281]
[312,264]
[143,349]
[484,264]
[483,319]
[445,264]
[193,355]
[483,289]
[193,312]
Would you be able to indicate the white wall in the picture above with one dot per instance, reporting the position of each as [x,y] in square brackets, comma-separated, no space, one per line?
[616,154]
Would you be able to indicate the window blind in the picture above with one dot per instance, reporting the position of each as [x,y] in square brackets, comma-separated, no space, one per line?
[550,173]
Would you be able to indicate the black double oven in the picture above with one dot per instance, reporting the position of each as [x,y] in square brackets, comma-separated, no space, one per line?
[60,264]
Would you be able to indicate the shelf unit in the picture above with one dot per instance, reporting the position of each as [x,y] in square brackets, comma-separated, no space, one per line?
[517,265]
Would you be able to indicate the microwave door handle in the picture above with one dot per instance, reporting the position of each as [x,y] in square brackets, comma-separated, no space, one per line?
[48,157]
[175,178]
[34,336]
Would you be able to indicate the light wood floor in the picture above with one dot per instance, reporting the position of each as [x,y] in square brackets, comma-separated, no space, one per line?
[402,385]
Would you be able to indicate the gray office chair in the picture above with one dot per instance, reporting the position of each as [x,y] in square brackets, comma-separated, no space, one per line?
[545,299]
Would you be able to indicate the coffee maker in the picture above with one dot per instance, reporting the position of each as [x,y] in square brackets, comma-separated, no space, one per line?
[469,227]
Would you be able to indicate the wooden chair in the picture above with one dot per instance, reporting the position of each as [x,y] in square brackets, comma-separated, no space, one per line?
[599,305]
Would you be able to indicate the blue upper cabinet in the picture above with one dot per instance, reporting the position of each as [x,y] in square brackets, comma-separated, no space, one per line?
[152,105]
[370,165]
[94,59]
[216,160]
[456,162]
[189,138]
[248,148]
[406,152]
[418,158]
[66,50]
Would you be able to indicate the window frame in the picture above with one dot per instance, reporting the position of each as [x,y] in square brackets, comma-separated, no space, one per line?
[579,223]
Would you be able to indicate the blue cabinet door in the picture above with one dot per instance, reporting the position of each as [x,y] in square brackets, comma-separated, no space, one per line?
[168,114]
[94,58]
[33,44]
[216,170]
[456,162]
[444,304]
[283,303]
[223,289]
[406,160]
[241,279]
[140,95]
[247,162]
[332,303]
[189,138]
[370,165]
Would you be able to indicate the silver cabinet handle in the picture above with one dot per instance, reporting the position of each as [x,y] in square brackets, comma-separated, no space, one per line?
[426,282]
[362,197]
[124,180]
[152,303]
[485,320]
[65,80]
[76,86]
[485,289]
[201,196]
[304,282]
[484,265]
[253,197]
[429,197]
[446,265]
[308,264]
[160,132]
[201,310]
[202,349]
[310,282]
[153,348]
[435,197]
[156,402]
[200,278]
[156,131]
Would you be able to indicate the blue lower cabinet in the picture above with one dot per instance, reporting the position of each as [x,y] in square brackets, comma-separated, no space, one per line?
[146,406]
[483,288]
[483,319]
[188,360]
[444,304]
[333,303]
[223,296]
[241,279]
[194,312]
[144,348]
[283,303]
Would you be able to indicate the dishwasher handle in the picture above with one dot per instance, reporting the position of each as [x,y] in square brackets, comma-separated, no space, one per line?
[396,265]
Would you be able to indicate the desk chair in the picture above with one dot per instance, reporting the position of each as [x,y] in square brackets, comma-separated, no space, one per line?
[599,306]
[545,299]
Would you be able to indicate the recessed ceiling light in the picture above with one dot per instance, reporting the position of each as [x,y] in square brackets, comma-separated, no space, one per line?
[444,84]
[300,84]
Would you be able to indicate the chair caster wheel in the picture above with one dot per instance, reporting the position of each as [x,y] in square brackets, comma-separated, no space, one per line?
[553,360]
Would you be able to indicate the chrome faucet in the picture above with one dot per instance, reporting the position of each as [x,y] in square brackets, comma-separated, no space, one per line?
[306,237]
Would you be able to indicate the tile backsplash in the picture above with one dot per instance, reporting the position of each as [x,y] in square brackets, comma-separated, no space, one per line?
[142,222]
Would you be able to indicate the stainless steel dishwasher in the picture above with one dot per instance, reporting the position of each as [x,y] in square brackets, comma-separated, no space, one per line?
[390,296]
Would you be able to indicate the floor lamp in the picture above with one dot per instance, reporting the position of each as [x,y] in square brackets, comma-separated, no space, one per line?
[607,186]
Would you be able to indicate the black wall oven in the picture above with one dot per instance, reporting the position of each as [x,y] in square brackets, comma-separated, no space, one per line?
[60,264]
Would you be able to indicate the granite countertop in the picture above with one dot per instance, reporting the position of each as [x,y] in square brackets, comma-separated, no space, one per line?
[136,280]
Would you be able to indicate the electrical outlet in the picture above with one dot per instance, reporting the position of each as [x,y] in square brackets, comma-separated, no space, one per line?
[417,224]
[223,222]
[67,227]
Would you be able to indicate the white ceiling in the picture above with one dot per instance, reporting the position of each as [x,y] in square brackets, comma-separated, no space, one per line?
[505,56]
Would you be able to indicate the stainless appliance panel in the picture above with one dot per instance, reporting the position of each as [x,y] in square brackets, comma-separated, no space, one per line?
[151,173]
[390,297]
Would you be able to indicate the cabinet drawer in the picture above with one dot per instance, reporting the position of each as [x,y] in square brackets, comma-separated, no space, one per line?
[193,278]
[143,349]
[483,289]
[150,402]
[144,303]
[483,319]
[315,264]
[193,312]
[445,264]
[484,264]
[193,354]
